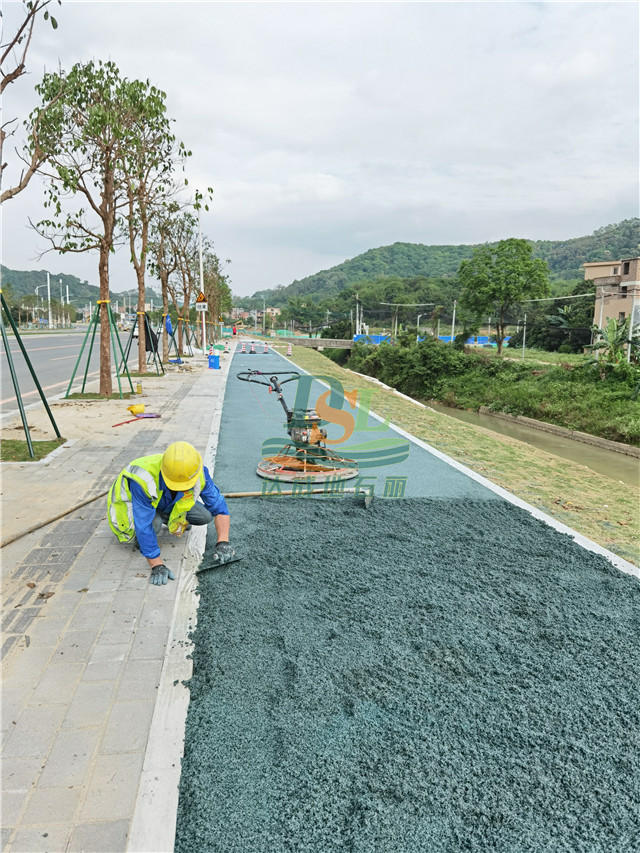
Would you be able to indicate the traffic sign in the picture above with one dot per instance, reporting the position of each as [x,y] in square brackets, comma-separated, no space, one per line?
[201,306]
[201,297]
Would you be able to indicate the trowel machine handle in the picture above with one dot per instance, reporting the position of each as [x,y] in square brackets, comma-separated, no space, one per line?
[273,383]
[260,377]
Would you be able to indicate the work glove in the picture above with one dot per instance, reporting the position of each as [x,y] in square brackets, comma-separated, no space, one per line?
[160,575]
[224,553]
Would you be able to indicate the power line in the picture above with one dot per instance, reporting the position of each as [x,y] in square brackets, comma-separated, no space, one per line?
[409,304]
[555,298]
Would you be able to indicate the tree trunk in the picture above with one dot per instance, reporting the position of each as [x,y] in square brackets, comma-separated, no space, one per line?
[164,282]
[142,325]
[105,342]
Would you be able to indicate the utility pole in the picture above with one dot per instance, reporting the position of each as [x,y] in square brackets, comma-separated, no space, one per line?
[264,314]
[418,329]
[204,341]
[49,300]
[524,334]
[631,324]
[357,315]
[453,322]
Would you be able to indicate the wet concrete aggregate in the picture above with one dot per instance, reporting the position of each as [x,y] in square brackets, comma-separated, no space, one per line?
[425,675]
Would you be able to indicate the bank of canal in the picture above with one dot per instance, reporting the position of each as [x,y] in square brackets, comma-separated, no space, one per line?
[610,463]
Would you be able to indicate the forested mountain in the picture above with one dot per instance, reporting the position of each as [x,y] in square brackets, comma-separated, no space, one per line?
[24,283]
[409,260]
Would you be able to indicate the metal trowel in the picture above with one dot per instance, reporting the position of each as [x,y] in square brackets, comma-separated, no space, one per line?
[209,564]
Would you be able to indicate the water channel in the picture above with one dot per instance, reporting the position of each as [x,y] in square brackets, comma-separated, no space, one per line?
[617,466]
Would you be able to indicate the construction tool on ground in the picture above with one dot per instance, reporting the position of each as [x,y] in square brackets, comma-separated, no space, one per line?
[306,457]
[209,563]
[139,417]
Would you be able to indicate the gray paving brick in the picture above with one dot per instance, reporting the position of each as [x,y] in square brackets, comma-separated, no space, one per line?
[107,661]
[42,839]
[158,609]
[34,732]
[78,579]
[51,806]
[90,704]
[113,787]
[70,758]
[7,645]
[129,601]
[108,837]
[27,665]
[20,772]
[62,604]
[128,727]
[89,615]
[75,646]
[140,680]
[18,620]
[110,583]
[149,643]
[14,699]
[57,685]
[13,802]
[69,533]
[5,834]
[47,630]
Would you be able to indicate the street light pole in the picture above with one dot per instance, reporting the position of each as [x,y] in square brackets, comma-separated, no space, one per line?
[453,322]
[49,301]
[418,325]
[264,311]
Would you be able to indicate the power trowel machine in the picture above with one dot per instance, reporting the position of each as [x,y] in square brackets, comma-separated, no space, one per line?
[306,456]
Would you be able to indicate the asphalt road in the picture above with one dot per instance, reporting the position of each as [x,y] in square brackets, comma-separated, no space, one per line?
[53,357]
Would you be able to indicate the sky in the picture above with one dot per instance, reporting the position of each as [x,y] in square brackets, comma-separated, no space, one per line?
[327,129]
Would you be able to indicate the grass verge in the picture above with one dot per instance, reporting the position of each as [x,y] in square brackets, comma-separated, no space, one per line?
[16,450]
[126,395]
[602,509]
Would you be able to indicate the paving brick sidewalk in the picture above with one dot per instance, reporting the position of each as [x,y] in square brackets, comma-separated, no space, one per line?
[82,667]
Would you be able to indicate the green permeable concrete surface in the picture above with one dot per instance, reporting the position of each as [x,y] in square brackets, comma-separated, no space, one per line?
[252,417]
[429,674]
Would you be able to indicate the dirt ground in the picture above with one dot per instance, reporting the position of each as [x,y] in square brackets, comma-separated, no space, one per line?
[95,419]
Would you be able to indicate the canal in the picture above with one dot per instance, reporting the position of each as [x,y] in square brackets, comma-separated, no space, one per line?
[617,466]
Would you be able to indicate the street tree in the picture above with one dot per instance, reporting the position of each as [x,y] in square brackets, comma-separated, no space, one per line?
[13,65]
[148,175]
[184,246]
[215,282]
[498,278]
[86,136]
[163,261]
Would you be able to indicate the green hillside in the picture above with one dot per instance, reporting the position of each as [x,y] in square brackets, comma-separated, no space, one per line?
[407,260]
[24,282]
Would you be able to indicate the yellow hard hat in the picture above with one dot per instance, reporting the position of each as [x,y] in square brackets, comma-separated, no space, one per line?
[181,466]
[136,409]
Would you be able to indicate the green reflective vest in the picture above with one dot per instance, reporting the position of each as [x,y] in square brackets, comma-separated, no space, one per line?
[146,472]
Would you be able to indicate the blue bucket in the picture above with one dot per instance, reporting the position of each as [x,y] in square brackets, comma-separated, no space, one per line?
[214,361]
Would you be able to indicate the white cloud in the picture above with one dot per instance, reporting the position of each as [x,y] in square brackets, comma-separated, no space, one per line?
[329,128]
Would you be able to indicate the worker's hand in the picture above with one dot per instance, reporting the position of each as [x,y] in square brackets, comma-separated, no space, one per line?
[223,553]
[160,575]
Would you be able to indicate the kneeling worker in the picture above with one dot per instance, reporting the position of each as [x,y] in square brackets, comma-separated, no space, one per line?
[172,488]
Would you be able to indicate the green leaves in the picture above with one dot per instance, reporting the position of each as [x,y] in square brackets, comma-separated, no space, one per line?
[498,277]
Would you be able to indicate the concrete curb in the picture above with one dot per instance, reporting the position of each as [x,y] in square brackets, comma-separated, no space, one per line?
[153,826]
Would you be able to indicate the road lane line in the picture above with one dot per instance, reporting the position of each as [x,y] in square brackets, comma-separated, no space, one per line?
[46,388]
